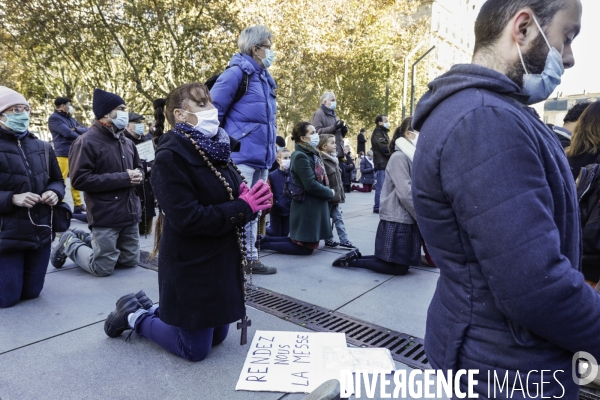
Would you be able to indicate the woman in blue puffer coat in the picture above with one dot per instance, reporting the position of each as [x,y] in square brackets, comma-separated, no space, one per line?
[251,119]
[26,196]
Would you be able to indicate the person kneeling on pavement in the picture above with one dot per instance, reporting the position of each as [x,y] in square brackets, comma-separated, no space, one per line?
[106,166]
[398,240]
[200,237]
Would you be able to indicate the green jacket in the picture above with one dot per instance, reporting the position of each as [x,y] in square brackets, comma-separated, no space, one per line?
[309,220]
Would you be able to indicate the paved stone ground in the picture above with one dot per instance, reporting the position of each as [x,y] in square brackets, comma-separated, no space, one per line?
[54,347]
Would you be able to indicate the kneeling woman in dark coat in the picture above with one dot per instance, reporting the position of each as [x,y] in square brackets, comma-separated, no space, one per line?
[309,219]
[201,258]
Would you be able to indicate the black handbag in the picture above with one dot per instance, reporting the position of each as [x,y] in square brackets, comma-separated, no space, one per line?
[293,191]
[61,213]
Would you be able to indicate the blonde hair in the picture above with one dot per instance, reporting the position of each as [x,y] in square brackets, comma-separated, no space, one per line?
[586,137]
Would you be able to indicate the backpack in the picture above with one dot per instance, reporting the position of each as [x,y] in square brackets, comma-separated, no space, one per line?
[242,89]
[588,194]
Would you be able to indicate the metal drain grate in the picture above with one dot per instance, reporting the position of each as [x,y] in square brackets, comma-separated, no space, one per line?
[406,349]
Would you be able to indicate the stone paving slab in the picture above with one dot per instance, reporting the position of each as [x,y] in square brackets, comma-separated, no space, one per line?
[71,299]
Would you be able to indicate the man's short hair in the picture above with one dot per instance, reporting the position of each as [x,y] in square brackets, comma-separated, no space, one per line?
[494,17]
[326,96]
[379,118]
[575,112]
[253,36]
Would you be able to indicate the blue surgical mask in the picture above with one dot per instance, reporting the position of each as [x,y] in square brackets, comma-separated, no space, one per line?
[333,105]
[269,58]
[539,87]
[386,125]
[314,139]
[139,129]
[17,122]
[121,121]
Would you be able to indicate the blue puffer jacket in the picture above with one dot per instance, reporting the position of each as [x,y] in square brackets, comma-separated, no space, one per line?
[64,131]
[252,119]
[497,207]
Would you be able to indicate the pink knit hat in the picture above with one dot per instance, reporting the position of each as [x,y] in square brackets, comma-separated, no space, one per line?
[9,98]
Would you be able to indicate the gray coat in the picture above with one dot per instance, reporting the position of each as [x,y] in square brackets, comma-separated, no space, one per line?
[324,123]
[396,196]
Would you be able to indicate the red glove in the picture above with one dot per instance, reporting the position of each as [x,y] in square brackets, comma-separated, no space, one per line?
[258,198]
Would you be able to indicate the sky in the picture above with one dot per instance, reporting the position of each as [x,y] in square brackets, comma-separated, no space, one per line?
[585,75]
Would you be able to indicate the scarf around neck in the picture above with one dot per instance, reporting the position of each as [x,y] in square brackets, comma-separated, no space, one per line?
[406,147]
[320,172]
[328,110]
[216,150]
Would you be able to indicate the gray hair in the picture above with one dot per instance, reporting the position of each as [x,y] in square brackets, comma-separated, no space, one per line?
[326,96]
[370,153]
[253,36]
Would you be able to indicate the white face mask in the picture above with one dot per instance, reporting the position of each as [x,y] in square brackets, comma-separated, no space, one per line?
[139,129]
[314,139]
[208,122]
[286,164]
[386,125]
[71,110]
[539,87]
[122,119]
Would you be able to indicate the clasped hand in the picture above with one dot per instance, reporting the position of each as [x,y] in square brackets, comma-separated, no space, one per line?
[258,198]
[29,199]
[135,176]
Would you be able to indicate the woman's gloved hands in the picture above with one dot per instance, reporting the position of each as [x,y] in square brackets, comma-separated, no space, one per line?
[258,197]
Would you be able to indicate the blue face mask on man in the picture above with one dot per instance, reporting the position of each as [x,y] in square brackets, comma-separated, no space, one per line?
[122,119]
[269,58]
[17,122]
[539,87]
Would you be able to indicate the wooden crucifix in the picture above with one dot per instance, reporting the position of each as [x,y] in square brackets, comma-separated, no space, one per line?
[244,327]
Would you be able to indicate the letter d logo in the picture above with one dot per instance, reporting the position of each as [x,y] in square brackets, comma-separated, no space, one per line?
[586,366]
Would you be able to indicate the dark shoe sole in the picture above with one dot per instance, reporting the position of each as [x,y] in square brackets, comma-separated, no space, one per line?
[116,322]
[57,254]
[144,300]
[347,246]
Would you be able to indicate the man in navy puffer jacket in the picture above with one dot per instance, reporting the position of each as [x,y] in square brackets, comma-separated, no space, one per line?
[251,120]
[497,207]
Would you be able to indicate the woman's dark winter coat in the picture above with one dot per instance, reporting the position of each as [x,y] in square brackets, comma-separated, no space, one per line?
[348,168]
[496,204]
[582,160]
[23,169]
[367,172]
[361,143]
[309,220]
[199,261]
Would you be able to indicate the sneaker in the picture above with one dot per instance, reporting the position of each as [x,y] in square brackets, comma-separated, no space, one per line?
[58,255]
[346,259]
[116,322]
[260,268]
[347,244]
[331,243]
[144,300]
[85,237]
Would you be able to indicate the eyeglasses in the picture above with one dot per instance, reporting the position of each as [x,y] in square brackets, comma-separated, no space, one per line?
[19,109]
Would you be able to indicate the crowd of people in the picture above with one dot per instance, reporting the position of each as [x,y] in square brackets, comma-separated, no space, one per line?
[475,174]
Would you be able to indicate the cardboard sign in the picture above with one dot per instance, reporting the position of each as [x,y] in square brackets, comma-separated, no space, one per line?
[288,362]
[146,150]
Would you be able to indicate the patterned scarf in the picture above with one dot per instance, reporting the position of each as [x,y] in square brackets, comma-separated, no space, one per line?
[216,150]
[320,172]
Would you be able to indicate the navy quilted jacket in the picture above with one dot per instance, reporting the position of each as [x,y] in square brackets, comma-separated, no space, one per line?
[496,205]
[23,169]
[64,131]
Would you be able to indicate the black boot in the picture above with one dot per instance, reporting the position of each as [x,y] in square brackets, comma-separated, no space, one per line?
[346,259]
[116,323]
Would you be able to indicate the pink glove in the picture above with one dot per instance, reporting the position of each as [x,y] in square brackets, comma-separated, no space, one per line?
[258,198]
[244,189]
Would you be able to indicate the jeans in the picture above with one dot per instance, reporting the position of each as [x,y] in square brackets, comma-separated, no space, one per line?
[110,247]
[193,345]
[336,215]
[22,274]
[280,225]
[284,245]
[252,175]
[380,176]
